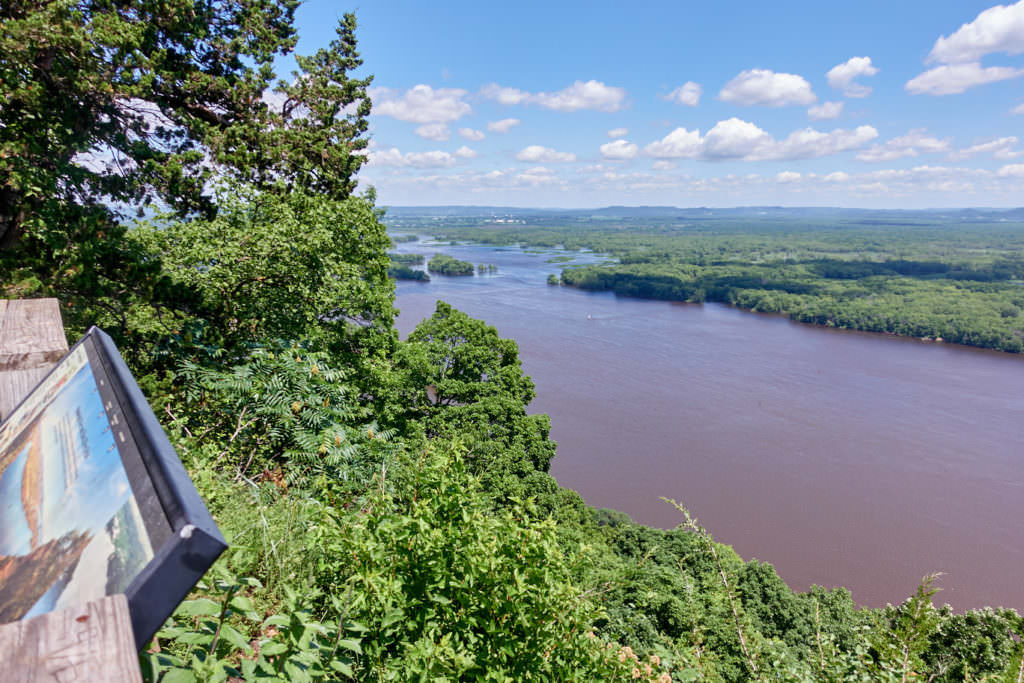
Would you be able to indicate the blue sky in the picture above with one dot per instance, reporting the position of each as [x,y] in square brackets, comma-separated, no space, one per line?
[870,104]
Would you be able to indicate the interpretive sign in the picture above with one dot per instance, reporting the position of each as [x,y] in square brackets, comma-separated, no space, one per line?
[93,499]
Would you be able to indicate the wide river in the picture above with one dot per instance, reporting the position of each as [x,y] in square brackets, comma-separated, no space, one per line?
[842,458]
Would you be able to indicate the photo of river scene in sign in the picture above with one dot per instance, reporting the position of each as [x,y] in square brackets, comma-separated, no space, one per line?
[70,527]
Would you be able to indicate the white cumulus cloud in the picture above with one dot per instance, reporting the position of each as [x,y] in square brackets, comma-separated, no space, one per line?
[464,152]
[766,87]
[679,144]
[539,175]
[1011,171]
[420,104]
[687,94]
[618,132]
[539,154]
[662,165]
[738,139]
[434,131]
[506,96]
[913,144]
[734,139]
[502,126]
[997,29]
[825,110]
[619,149]
[841,76]
[394,157]
[1001,148]
[787,177]
[580,95]
[1019,109]
[837,177]
[471,134]
[953,79]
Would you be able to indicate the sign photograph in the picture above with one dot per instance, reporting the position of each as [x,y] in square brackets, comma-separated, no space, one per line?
[93,499]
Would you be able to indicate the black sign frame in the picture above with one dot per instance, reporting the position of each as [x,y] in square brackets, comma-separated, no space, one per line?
[184,539]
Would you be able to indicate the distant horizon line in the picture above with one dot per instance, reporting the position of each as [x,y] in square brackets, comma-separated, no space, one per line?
[701,207]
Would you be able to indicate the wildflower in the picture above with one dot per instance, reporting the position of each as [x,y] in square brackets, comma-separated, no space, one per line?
[655,660]
[636,672]
[665,678]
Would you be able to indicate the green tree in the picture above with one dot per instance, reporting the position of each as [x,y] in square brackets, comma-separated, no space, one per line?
[282,267]
[455,375]
[117,101]
[107,107]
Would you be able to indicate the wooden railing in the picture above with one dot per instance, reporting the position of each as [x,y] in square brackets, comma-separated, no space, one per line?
[90,643]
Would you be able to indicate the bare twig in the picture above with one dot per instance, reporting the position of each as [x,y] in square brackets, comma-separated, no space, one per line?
[167,409]
[238,430]
[705,536]
[817,636]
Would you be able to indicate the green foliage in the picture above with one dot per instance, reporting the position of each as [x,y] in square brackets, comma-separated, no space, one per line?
[110,109]
[448,589]
[456,376]
[974,645]
[311,138]
[407,259]
[400,267]
[901,640]
[284,406]
[146,89]
[443,264]
[221,637]
[270,267]
[431,585]
[403,272]
[141,88]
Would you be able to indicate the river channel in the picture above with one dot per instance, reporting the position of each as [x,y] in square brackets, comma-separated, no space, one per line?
[842,458]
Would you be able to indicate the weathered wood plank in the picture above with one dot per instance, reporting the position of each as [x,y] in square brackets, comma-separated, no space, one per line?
[15,385]
[31,341]
[31,334]
[93,642]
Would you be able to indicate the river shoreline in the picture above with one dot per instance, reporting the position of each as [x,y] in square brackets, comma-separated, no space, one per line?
[842,459]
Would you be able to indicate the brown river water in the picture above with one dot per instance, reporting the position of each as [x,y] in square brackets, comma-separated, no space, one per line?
[841,458]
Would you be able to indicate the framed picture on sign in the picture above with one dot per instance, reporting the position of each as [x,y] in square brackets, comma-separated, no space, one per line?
[93,499]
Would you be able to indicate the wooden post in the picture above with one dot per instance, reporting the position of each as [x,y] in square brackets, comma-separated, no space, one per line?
[31,342]
[91,642]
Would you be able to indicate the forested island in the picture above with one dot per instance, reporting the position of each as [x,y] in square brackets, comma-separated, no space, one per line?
[400,268]
[387,502]
[939,277]
[443,264]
